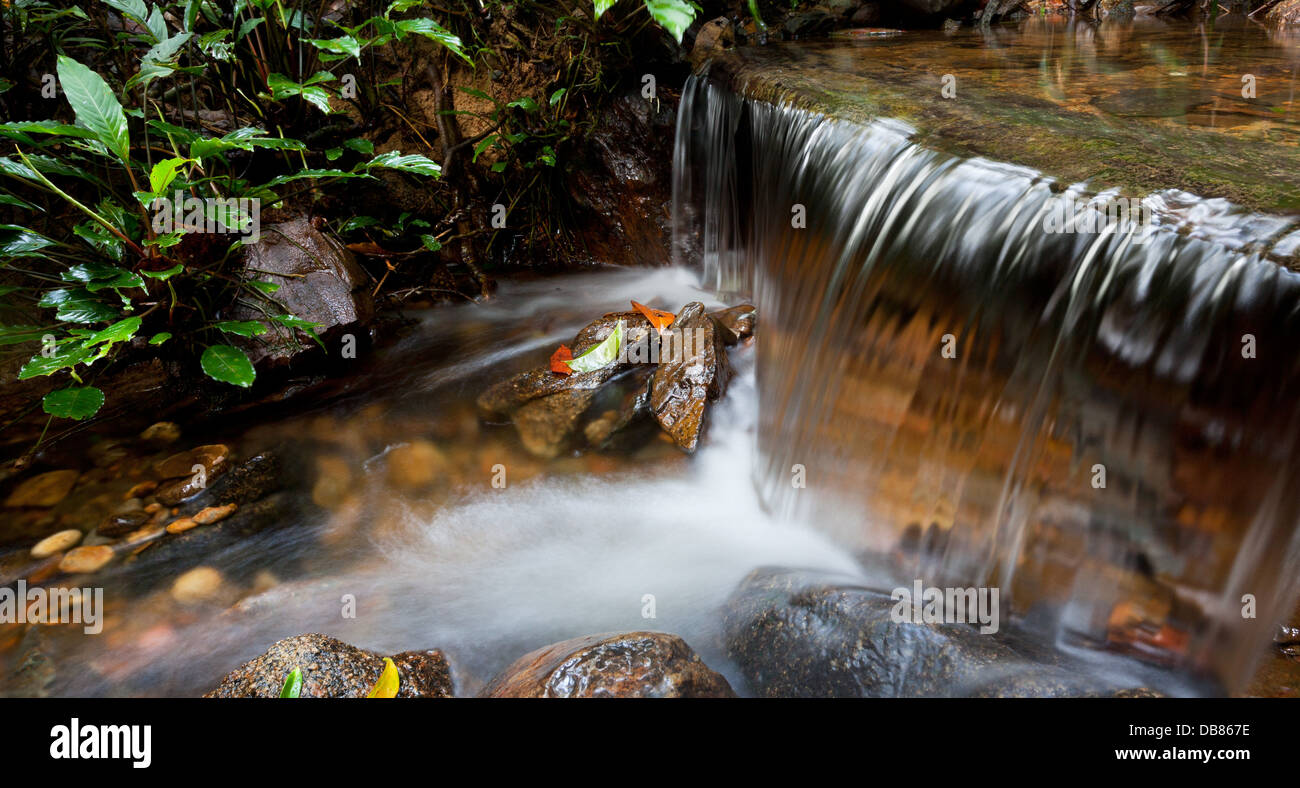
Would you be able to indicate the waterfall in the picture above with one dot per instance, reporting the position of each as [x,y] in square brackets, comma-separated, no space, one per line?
[977,381]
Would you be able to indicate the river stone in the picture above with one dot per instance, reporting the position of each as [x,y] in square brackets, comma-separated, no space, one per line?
[737,323]
[81,560]
[210,457]
[681,388]
[319,281]
[56,543]
[545,424]
[43,490]
[627,665]
[122,523]
[806,634]
[334,669]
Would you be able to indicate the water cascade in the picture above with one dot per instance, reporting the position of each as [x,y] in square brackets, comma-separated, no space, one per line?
[968,375]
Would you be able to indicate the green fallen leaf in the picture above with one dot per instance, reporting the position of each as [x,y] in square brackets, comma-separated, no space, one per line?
[292,684]
[601,355]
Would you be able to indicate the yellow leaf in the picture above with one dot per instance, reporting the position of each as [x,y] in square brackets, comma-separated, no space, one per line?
[386,687]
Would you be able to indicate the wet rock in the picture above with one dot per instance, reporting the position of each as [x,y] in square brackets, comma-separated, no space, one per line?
[808,23]
[736,323]
[631,395]
[196,585]
[180,525]
[799,634]
[82,560]
[682,387]
[122,523]
[319,281]
[256,478]
[334,669]
[43,490]
[141,490]
[628,665]
[717,35]
[161,433]
[545,424]
[503,399]
[56,543]
[214,514]
[211,458]
[415,465]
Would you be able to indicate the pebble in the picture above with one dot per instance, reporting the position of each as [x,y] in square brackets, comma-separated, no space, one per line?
[140,490]
[86,559]
[196,585]
[182,463]
[56,543]
[119,524]
[161,432]
[415,465]
[44,490]
[214,514]
[181,525]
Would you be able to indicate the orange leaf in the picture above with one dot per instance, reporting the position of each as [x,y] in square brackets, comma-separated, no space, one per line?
[657,317]
[560,359]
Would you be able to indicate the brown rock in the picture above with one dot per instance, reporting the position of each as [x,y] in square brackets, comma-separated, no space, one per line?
[116,525]
[196,585]
[181,525]
[210,457]
[545,424]
[682,386]
[737,322]
[214,514]
[140,490]
[628,665]
[56,543]
[161,433]
[415,465]
[86,559]
[44,490]
[334,669]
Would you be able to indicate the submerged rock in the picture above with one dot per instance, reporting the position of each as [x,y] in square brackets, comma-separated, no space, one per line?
[334,669]
[737,322]
[627,665]
[43,490]
[800,634]
[682,386]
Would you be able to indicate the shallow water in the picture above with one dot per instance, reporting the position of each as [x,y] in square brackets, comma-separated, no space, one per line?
[573,547]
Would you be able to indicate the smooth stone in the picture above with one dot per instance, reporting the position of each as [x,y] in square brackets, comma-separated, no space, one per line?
[196,585]
[627,665]
[124,523]
[161,432]
[181,525]
[415,465]
[182,463]
[56,543]
[141,490]
[44,490]
[214,514]
[334,669]
[86,559]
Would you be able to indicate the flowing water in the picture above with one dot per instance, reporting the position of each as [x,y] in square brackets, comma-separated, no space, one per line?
[1102,421]
[1070,351]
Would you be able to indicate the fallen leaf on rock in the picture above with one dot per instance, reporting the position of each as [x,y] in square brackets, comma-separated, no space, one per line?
[560,361]
[601,355]
[657,317]
[386,687]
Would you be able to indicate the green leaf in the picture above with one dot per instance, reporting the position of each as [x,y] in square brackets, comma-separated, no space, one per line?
[430,243]
[360,145]
[39,365]
[228,364]
[73,403]
[160,337]
[413,162]
[18,241]
[388,682]
[165,275]
[601,355]
[97,109]
[557,95]
[674,15]
[602,6]
[121,331]
[13,335]
[525,103]
[77,305]
[244,328]
[292,684]
[282,87]
[343,46]
[163,173]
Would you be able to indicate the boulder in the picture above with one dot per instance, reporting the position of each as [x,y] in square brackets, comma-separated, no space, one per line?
[334,669]
[683,385]
[318,280]
[804,634]
[627,665]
